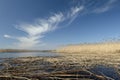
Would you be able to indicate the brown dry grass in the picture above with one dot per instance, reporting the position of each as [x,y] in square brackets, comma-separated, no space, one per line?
[92,54]
[100,47]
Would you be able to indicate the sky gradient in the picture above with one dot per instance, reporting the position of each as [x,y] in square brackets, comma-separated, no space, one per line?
[48,24]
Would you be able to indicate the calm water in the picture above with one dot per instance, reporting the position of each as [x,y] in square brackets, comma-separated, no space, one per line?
[27,54]
[110,72]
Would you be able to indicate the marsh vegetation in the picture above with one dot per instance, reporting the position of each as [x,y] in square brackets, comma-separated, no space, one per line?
[81,62]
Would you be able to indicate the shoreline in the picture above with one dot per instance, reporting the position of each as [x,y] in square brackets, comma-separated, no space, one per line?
[20,50]
[45,67]
[94,62]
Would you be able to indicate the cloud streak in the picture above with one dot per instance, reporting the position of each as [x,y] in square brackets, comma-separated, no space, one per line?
[7,36]
[36,31]
[108,5]
[74,12]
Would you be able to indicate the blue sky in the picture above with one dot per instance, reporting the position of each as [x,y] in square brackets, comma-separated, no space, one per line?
[48,24]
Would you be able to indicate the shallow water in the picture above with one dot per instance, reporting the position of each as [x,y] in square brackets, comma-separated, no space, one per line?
[110,72]
[27,54]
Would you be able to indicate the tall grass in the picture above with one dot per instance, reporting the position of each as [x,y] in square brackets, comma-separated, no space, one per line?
[98,47]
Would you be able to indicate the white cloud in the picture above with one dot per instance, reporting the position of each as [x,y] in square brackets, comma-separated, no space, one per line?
[74,12]
[7,36]
[105,7]
[35,32]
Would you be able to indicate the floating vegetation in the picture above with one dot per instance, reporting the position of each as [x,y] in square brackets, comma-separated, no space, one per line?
[47,68]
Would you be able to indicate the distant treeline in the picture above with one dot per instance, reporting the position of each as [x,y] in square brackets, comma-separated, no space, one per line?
[18,50]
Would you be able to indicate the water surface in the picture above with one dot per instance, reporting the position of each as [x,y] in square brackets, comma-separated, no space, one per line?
[27,54]
[110,72]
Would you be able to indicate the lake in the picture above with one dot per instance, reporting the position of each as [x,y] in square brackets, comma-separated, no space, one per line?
[27,54]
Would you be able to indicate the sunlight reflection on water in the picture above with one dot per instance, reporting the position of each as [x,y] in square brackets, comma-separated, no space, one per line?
[27,54]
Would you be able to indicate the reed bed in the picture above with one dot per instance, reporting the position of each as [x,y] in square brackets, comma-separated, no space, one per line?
[96,47]
[74,63]
[46,68]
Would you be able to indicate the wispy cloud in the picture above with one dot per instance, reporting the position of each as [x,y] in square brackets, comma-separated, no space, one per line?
[7,36]
[74,12]
[36,31]
[96,6]
[108,5]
